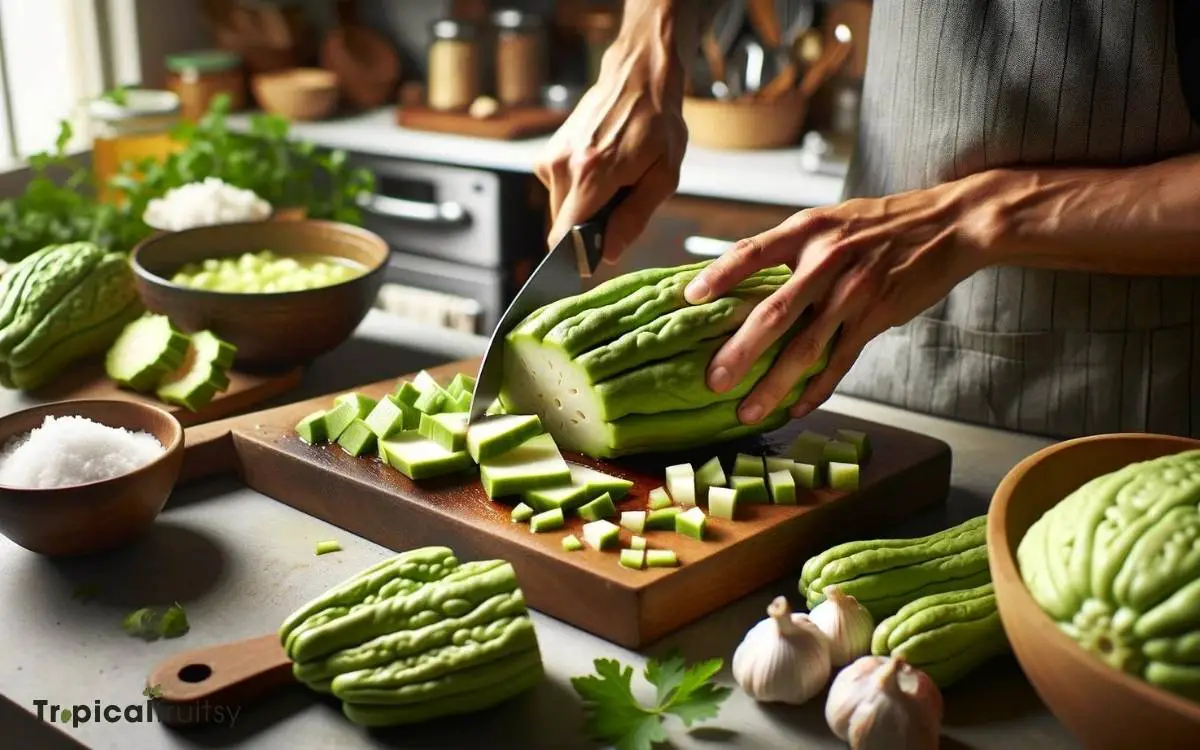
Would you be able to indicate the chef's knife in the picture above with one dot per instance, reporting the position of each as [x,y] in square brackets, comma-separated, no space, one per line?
[560,274]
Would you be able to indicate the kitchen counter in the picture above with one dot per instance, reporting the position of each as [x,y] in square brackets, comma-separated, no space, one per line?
[773,177]
[241,562]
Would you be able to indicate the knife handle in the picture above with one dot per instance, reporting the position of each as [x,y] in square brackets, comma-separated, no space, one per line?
[589,235]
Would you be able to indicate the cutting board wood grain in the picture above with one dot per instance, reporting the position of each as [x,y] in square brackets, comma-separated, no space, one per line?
[906,474]
[245,391]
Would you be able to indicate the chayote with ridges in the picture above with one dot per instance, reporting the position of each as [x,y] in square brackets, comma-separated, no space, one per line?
[55,274]
[1117,565]
[403,573]
[109,287]
[621,369]
[438,671]
[416,637]
[59,305]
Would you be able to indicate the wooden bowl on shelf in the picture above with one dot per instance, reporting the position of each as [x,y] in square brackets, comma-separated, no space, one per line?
[272,330]
[745,123]
[88,518]
[1102,706]
[297,93]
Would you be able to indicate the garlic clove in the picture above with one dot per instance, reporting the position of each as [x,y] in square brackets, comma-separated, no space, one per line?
[847,624]
[882,703]
[783,658]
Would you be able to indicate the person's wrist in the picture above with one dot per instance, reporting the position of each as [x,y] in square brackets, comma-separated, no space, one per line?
[984,204]
[650,64]
[660,36]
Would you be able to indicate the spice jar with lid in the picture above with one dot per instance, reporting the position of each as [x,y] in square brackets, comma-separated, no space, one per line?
[199,77]
[519,51]
[453,65]
[131,127]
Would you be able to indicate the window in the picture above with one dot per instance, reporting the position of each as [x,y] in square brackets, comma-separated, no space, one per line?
[54,56]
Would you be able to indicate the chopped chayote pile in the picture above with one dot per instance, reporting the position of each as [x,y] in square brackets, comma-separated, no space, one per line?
[266,272]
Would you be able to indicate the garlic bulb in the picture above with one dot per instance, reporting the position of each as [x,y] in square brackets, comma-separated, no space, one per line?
[882,703]
[846,623]
[783,658]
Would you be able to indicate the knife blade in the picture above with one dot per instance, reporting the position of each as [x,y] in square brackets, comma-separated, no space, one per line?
[560,274]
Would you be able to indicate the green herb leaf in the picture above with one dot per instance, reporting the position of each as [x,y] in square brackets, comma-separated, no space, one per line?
[152,691]
[174,622]
[615,716]
[141,623]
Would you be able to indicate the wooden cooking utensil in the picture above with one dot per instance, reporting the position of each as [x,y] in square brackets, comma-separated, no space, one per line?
[765,23]
[189,686]
[830,62]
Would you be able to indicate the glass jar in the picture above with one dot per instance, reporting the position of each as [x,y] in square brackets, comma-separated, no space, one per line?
[519,63]
[198,77]
[132,128]
[453,65]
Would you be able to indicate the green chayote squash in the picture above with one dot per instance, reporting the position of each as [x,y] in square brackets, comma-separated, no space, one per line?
[1117,565]
[59,305]
[620,369]
[415,637]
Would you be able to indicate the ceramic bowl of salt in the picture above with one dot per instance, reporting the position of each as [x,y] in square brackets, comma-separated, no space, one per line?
[80,477]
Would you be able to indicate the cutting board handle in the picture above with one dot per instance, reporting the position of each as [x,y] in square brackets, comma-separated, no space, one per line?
[203,685]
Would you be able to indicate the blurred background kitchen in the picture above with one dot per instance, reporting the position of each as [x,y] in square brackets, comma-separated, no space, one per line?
[446,104]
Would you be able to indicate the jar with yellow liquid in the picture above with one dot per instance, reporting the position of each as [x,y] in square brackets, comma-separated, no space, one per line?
[132,126]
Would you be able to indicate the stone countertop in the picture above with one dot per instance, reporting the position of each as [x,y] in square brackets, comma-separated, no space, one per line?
[241,562]
[772,176]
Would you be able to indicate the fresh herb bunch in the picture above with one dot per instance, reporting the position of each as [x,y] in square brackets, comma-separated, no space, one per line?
[614,715]
[283,172]
[60,204]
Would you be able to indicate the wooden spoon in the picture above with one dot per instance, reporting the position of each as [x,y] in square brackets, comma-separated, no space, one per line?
[199,686]
[830,62]
[766,23]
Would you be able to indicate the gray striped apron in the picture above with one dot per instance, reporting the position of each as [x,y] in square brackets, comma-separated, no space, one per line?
[954,87]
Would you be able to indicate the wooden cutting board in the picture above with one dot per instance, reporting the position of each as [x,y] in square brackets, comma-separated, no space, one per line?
[245,391]
[906,474]
[509,125]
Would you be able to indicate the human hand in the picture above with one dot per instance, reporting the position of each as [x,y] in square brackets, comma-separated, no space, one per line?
[862,267]
[627,130]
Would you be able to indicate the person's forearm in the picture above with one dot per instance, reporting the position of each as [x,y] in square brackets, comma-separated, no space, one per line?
[1142,220]
[667,25]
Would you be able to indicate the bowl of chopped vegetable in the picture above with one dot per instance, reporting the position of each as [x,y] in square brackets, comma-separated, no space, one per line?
[80,477]
[282,292]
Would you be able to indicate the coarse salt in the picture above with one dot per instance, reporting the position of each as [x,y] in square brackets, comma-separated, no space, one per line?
[210,201]
[72,450]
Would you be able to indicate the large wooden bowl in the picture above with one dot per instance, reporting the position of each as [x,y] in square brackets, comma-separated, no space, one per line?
[1103,707]
[745,124]
[88,518]
[270,330]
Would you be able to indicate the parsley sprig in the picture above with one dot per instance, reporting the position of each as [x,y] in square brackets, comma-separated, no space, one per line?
[616,717]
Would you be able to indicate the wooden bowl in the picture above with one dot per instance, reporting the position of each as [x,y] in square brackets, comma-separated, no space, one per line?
[88,518]
[297,93]
[1102,706]
[745,124]
[271,330]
